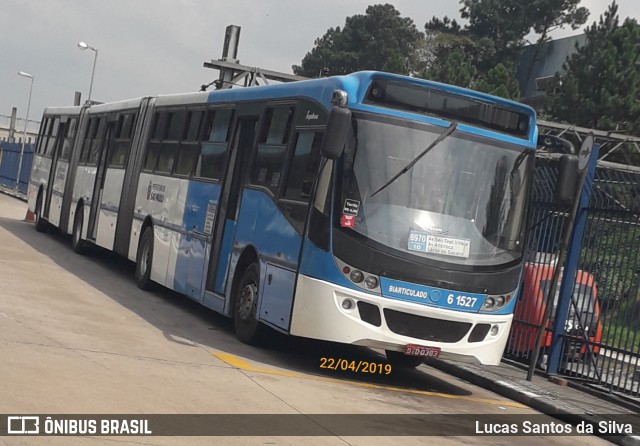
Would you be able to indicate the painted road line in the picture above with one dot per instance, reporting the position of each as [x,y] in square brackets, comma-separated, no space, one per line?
[241,364]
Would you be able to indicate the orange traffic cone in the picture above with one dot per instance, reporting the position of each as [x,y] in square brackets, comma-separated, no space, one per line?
[30,217]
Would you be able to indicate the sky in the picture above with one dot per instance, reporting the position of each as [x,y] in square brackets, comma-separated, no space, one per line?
[151,47]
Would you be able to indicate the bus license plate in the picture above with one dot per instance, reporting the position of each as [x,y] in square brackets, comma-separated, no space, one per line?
[419,350]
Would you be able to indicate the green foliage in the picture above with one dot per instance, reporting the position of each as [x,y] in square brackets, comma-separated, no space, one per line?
[601,86]
[492,38]
[500,81]
[456,69]
[378,40]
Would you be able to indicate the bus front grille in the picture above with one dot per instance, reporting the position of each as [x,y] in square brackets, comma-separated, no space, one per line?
[426,328]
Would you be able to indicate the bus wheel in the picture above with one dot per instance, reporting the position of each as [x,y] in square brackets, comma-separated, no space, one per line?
[41,225]
[144,257]
[79,246]
[248,328]
[401,360]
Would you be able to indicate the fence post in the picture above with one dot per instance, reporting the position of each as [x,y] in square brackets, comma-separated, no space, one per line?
[571,266]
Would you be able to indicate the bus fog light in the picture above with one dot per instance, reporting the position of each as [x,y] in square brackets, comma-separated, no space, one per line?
[356,276]
[371,282]
[494,330]
[347,304]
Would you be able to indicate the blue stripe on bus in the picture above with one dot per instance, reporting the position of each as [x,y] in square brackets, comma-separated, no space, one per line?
[356,84]
[197,222]
[262,224]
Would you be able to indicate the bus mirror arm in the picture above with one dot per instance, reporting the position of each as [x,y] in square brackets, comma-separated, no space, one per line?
[567,180]
[335,134]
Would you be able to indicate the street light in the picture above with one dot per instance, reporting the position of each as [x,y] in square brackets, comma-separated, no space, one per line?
[83,46]
[26,121]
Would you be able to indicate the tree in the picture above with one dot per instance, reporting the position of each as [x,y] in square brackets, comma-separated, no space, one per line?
[495,33]
[601,85]
[500,81]
[378,40]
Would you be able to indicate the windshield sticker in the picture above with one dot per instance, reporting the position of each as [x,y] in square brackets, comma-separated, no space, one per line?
[348,221]
[435,244]
[350,207]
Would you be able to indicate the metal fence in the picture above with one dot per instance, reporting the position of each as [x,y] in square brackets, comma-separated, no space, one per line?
[9,164]
[594,332]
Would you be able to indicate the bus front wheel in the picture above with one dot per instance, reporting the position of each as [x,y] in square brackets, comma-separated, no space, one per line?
[79,246]
[401,360]
[245,321]
[144,258]
[41,225]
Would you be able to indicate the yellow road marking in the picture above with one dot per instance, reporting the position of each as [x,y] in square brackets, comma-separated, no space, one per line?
[241,364]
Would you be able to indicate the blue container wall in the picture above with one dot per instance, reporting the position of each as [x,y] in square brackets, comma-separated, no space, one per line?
[10,161]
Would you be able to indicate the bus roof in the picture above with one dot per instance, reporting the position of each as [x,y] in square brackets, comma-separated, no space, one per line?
[493,116]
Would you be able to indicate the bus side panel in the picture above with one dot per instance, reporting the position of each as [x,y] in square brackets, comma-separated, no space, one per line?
[261,224]
[39,177]
[109,208]
[158,196]
[199,217]
[83,190]
[59,182]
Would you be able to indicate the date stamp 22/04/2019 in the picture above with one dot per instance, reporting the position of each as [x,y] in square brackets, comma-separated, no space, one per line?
[355,366]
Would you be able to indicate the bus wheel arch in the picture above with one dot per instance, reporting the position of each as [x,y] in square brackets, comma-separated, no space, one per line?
[245,296]
[40,224]
[79,246]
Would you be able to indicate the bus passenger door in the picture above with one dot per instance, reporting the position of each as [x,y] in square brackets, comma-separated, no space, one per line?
[98,187]
[52,172]
[224,231]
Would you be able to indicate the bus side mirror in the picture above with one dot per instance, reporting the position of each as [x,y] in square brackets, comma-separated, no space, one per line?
[567,179]
[335,134]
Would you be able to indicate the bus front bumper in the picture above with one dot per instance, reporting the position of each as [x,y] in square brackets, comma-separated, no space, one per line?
[320,312]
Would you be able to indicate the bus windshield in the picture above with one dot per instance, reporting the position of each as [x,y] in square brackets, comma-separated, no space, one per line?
[463,202]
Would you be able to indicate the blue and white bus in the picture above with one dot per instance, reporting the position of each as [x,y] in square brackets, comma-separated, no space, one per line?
[369,209]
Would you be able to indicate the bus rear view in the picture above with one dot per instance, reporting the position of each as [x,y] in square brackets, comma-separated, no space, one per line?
[418,222]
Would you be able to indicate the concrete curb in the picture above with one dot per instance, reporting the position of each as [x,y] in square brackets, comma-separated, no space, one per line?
[529,399]
[19,195]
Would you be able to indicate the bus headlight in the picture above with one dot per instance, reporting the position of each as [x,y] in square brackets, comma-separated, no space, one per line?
[489,303]
[362,279]
[356,276]
[496,302]
[371,282]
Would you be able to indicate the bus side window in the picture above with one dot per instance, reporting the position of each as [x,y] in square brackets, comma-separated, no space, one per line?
[169,147]
[215,135]
[67,145]
[42,137]
[51,140]
[92,128]
[121,141]
[189,150]
[153,146]
[304,166]
[97,137]
[270,156]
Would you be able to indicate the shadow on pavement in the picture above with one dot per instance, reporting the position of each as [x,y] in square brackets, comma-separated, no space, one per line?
[185,321]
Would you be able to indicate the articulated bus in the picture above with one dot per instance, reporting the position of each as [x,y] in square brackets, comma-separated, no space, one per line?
[369,209]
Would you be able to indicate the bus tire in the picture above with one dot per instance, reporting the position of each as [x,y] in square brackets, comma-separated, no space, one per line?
[400,360]
[247,326]
[40,224]
[144,259]
[79,246]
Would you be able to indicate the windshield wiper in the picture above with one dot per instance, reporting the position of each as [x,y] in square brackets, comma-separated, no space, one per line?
[406,168]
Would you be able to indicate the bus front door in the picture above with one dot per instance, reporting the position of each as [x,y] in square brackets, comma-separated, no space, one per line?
[98,188]
[52,172]
[224,231]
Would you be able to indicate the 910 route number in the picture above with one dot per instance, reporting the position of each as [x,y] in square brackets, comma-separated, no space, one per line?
[462,301]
